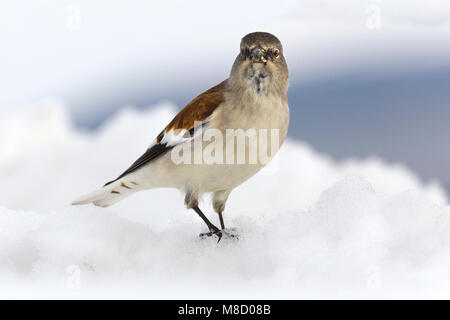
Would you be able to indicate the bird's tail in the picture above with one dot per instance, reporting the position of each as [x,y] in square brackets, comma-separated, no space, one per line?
[109,194]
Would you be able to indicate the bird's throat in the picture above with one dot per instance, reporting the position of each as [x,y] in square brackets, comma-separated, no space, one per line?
[259,77]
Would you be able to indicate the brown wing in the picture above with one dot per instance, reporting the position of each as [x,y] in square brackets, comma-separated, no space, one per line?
[199,109]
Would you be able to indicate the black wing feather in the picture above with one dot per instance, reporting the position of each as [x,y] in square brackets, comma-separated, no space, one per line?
[151,153]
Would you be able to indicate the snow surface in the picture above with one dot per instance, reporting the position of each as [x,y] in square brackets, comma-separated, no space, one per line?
[310,227]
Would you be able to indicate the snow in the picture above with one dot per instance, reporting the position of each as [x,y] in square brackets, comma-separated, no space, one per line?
[310,227]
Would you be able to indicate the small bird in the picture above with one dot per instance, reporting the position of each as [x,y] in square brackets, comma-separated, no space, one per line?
[251,100]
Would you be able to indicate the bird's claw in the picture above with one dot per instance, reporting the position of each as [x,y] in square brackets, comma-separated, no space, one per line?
[227,233]
[212,231]
[230,233]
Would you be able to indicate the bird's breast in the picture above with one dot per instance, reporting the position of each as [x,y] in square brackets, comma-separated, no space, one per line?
[259,111]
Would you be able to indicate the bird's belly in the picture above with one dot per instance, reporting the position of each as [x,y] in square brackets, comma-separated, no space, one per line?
[205,176]
[224,177]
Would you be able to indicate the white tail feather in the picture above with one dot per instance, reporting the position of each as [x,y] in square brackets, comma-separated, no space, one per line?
[108,195]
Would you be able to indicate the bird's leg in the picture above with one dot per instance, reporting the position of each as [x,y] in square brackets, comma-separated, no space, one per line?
[222,224]
[228,233]
[191,201]
[213,230]
[219,199]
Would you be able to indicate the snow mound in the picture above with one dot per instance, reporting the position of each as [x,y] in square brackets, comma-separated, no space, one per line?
[309,227]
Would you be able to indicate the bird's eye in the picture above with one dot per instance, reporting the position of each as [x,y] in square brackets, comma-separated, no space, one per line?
[276,53]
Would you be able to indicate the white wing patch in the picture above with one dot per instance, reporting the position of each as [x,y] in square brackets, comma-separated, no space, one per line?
[174,137]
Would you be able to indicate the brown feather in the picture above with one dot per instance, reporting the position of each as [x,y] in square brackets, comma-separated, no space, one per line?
[199,109]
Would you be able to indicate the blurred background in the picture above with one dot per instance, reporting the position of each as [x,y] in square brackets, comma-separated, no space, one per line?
[367,78]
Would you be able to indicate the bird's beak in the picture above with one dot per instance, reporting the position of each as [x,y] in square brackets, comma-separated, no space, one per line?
[257,55]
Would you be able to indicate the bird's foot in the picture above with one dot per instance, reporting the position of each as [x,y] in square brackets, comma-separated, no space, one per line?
[212,231]
[230,233]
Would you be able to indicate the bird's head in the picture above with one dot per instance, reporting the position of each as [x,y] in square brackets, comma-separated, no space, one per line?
[261,47]
[261,64]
